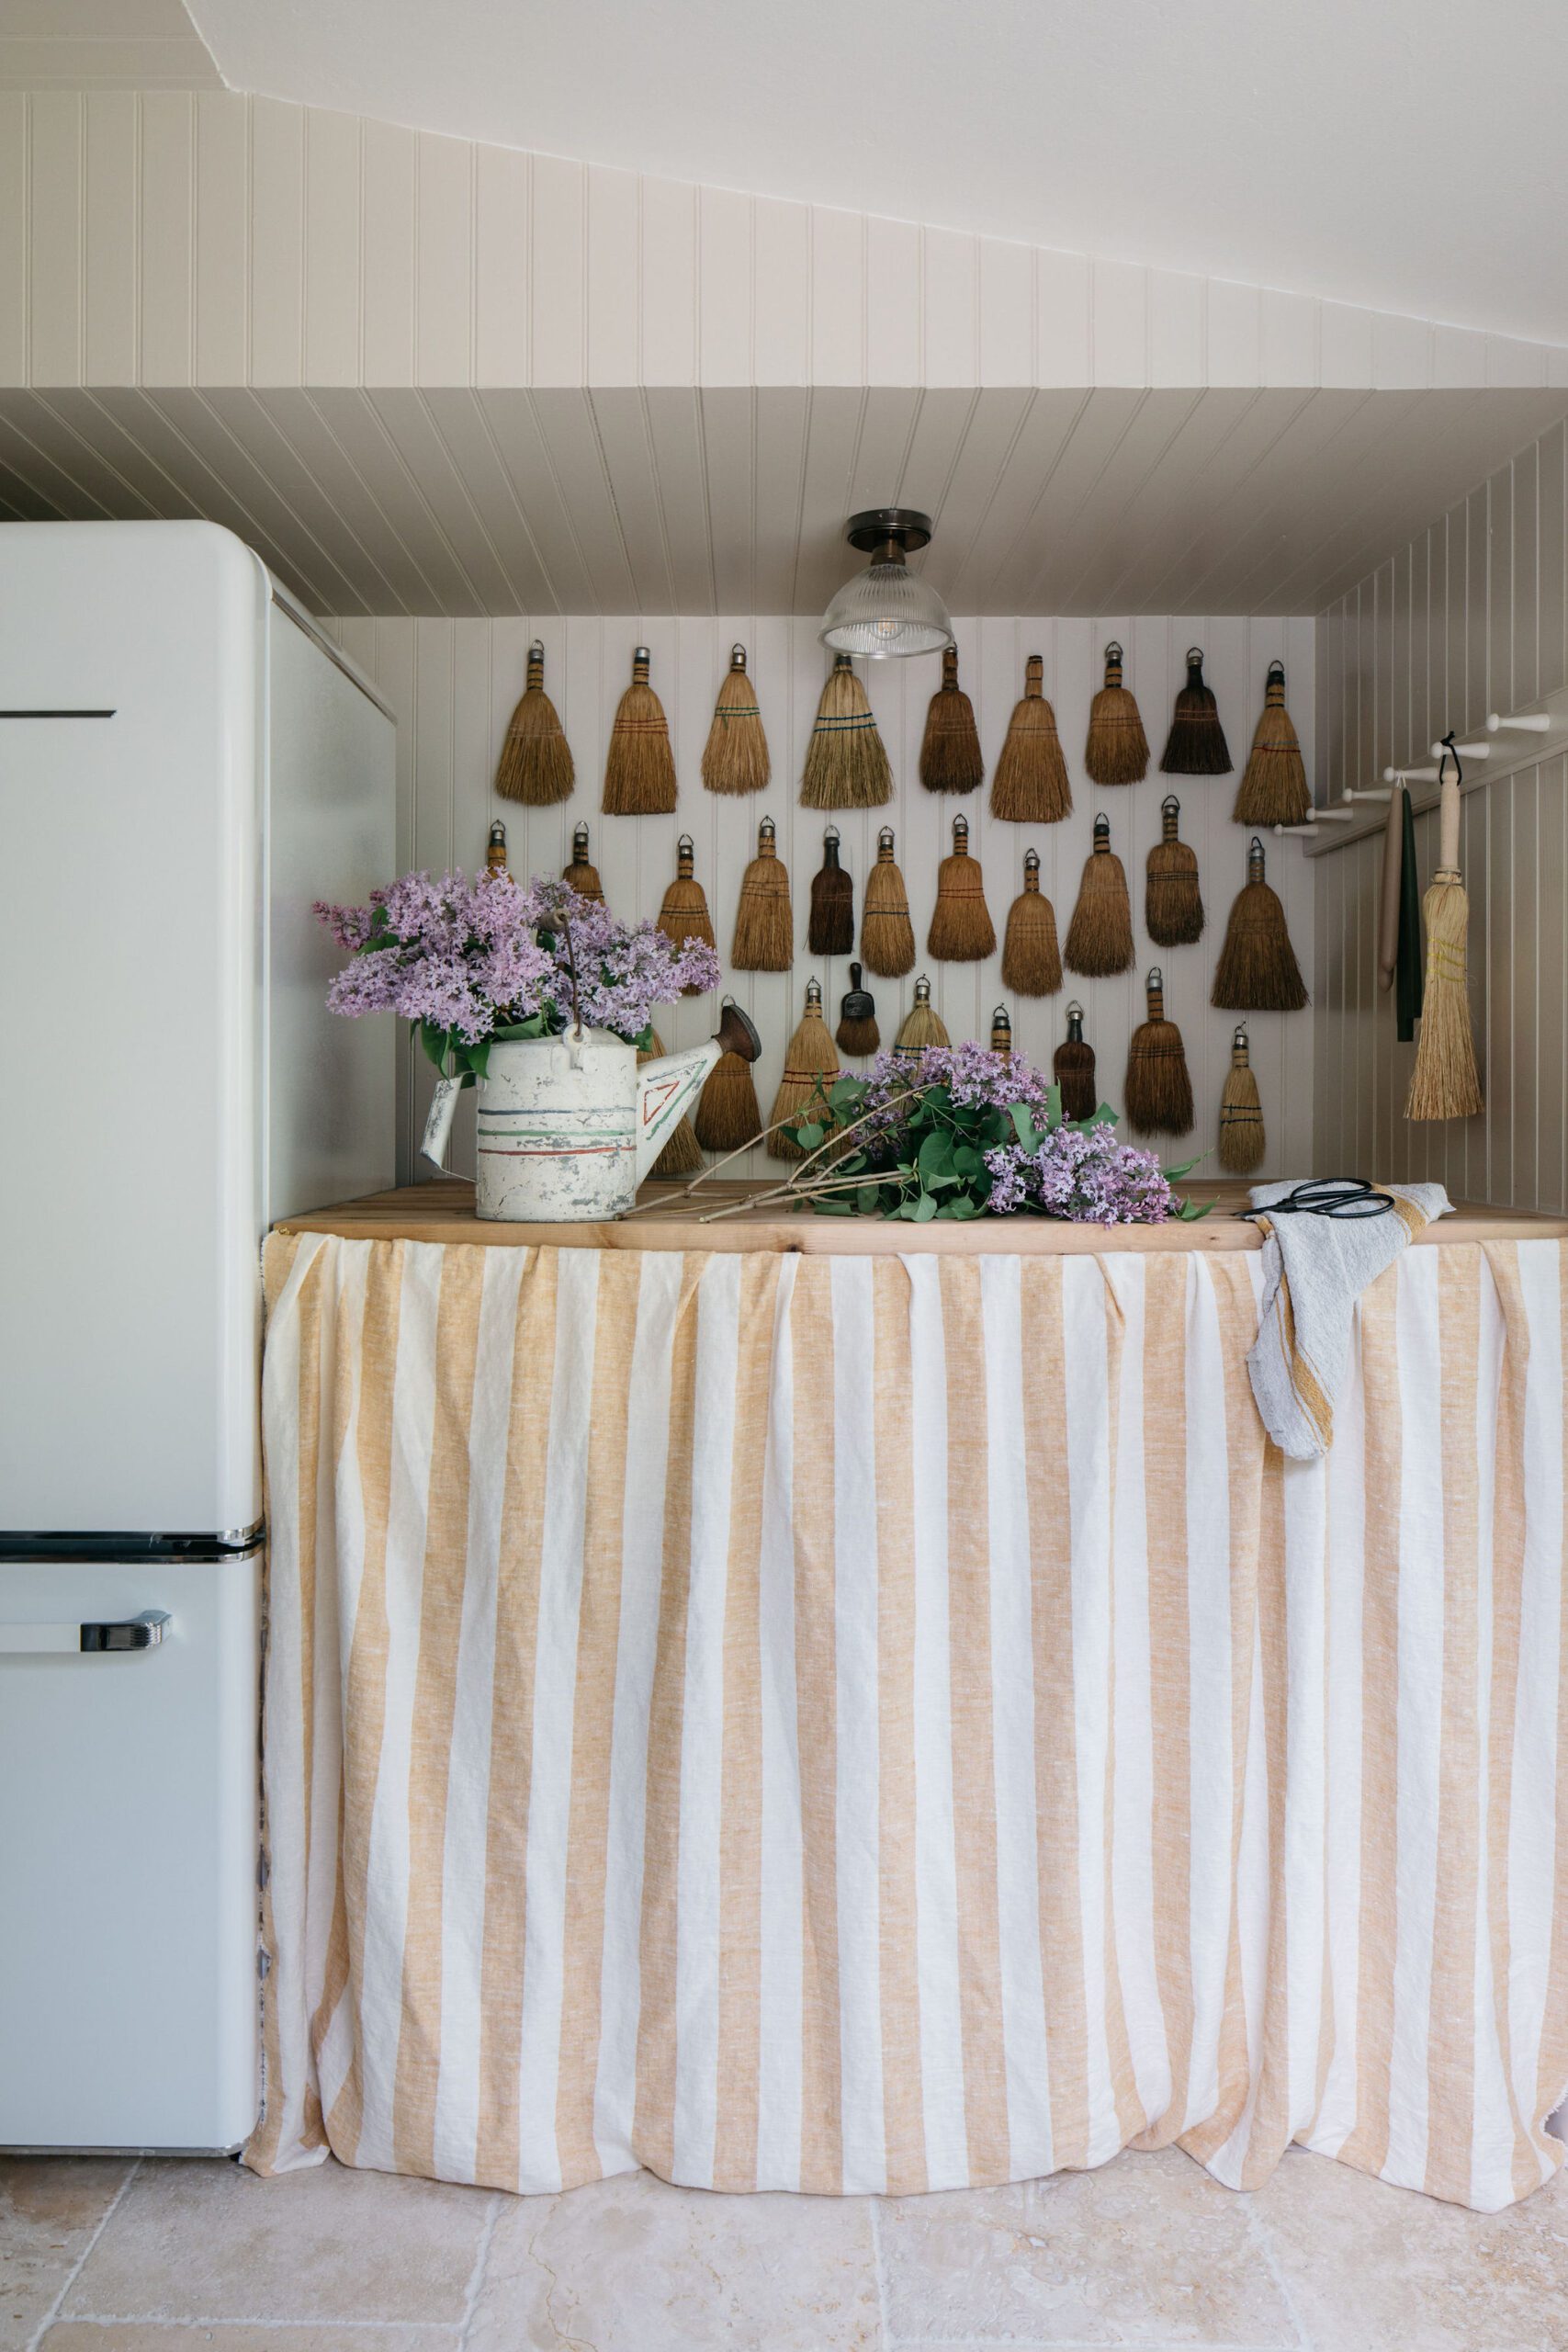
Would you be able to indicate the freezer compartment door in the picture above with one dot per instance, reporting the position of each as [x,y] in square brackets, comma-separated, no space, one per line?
[129,1843]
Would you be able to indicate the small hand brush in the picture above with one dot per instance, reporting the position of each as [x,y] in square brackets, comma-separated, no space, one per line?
[1173,905]
[639,771]
[961,930]
[1241,1140]
[1117,749]
[886,935]
[1445,1083]
[1258,971]
[495,849]
[1157,1096]
[950,754]
[584,877]
[764,921]
[1002,1030]
[923,1024]
[1031,961]
[811,1056]
[728,1116]
[684,914]
[1274,786]
[1100,936]
[682,1156]
[1196,744]
[830,925]
[535,758]
[1072,1067]
[1031,786]
[735,757]
[846,760]
[858,1034]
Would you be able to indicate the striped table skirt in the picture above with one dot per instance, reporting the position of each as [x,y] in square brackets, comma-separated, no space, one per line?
[894,1724]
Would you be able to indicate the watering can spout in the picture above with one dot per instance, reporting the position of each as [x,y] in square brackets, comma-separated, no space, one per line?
[667,1087]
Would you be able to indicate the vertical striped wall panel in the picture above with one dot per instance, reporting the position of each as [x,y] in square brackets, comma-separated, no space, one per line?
[1471,617]
[204,237]
[453,683]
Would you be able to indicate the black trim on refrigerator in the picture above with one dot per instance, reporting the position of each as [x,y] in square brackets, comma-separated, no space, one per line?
[125,1545]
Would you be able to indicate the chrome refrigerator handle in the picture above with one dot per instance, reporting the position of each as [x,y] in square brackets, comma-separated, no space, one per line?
[142,1632]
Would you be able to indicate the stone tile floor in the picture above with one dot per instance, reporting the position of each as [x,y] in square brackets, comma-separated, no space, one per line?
[111,2256]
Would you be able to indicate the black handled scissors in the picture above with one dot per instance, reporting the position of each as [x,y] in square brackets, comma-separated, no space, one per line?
[1328,1196]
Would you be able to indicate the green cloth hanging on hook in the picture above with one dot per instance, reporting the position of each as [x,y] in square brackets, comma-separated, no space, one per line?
[1409,989]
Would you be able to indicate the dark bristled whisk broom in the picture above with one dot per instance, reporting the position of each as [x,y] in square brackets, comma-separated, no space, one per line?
[1258,971]
[1157,1096]
[1173,905]
[950,749]
[1196,744]
[830,925]
[1072,1067]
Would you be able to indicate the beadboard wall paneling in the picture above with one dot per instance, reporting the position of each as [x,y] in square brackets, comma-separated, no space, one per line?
[405,257]
[1470,617]
[452,684]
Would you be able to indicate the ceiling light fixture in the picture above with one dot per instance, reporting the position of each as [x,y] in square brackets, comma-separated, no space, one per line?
[883,610]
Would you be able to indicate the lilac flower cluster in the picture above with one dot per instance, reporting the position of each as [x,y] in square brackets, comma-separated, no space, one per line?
[465,958]
[1081,1173]
[971,1072]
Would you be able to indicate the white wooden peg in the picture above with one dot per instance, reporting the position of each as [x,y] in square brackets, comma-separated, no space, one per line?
[1463,750]
[1524,722]
[1411,775]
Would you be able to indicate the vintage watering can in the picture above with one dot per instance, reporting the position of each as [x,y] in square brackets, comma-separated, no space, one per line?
[568,1126]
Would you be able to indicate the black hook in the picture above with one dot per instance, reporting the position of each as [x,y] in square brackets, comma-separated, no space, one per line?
[1450,750]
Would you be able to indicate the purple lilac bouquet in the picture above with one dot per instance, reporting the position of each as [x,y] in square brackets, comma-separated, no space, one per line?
[962,1132]
[467,962]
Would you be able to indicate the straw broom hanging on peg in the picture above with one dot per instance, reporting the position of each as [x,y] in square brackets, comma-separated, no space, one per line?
[1445,1084]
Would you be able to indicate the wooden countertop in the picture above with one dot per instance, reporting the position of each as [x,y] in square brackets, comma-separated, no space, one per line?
[444,1211]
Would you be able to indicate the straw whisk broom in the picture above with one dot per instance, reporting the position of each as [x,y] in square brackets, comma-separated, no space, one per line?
[535,760]
[584,877]
[846,760]
[886,935]
[1031,786]
[1445,1083]
[1031,961]
[682,1156]
[1196,744]
[1100,936]
[727,1114]
[764,921]
[1242,1139]
[1273,788]
[639,769]
[1072,1067]
[684,913]
[1116,750]
[812,1054]
[923,1024]
[1258,971]
[734,758]
[949,751]
[1158,1090]
[961,930]
[1173,905]
[830,925]
[857,1033]
[495,849]
[1002,1030]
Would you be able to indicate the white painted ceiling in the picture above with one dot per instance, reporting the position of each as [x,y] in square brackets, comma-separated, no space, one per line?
[733,501]
[1409,155]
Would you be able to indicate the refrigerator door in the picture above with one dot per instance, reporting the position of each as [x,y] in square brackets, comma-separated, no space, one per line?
[128,1854]
[132,977]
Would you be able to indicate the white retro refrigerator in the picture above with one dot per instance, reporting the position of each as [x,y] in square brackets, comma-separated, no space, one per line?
[184,765]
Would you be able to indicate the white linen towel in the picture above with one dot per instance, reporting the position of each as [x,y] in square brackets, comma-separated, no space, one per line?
[1314,1269]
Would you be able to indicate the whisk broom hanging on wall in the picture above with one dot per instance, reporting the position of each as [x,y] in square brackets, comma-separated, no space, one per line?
[1100,936]
[1158,1090]
[735,757]
[764,921]
[1445,1083]
[584,877]
[811,1056]
[830,926]
[1241,1140]
[886,935]
[1196,744]
[1117,749]
[640,768]
[846,760]
[684,913]
[1173,906]
[923,1024]
[961,930]
[1072,1067]
[1258,971]
[1031,786]
[1273,790]
[727,1114]
[857,1033]
[1031,961]
[536,763]
[950,750]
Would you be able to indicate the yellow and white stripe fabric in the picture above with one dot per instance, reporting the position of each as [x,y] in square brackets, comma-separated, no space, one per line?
[879,1723]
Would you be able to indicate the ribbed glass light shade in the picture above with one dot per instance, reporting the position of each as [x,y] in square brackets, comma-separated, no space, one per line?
[886,610]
